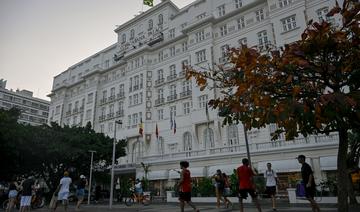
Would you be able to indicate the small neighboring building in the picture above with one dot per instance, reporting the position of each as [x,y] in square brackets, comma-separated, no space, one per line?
[34,111]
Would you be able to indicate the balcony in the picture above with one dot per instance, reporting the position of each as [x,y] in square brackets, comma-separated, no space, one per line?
[111,98]
[103,101]
[76,110]
[158,37]
[121,95]
[110,115]
[101,118]
[120,113]
[159,101]
[159,81]
[81,108]
[68,113]
[185,94]
[172,98]
[171,77]
[136,87]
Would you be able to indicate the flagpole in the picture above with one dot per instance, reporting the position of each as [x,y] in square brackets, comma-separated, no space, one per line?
[142,6]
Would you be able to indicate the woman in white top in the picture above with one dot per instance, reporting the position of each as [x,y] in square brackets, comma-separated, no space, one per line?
[271,182]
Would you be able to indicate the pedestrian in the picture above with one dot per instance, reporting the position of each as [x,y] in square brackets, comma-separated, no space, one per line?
[80,191]
[309,182]
[271,182]
[219,187]
[227,190]
[63,190]
[27,187]
[138,190]
[246,186]
[185,187]
[118,190]
[13,193]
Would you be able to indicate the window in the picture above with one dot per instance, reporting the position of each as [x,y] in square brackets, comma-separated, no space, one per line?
[101,128]
[186,107]
[141,81]
[284,3]
[136,99]
[161,19]
[104,94]
[233,135]
[135,119]
[199,36]
[187,141]
[103,111]
[172,51]
[184,46]
[110,127]
[111,109]
[263,40]
[69,107]
[130,101]
[172,90]
[137,62]
[241,22]
[107,63]
[172,70]
[129,120]
[200,56]
[321,13]
[123,38]
[209,138]
[112,92]
[288,23]
[160,114]
[201,16]
[160,94]
[161,147]
[121,106]
[122,89]
[260,15]
[172,111]
[160,74]
[184,63]
[140,98]
[203,100]
[161,56]
[186,86]
[224,50]
[90,97]
[171,33]
[238,3]
[57,110]
[223,30]
[150,24]
[221,10]
[132,34]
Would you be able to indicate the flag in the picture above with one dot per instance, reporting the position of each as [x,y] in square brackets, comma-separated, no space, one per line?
[157,131]
[149,3]
[141,128]
[174,126]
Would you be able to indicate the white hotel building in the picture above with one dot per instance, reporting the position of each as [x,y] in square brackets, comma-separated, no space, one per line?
[140,77]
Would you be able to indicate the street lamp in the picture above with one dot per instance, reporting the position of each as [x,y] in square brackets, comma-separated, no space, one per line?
[91,168]
[112,166]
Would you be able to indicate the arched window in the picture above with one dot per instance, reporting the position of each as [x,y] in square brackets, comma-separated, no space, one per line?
[151,24]
[187,141]
[161,146]
[136,151]
[233,135]
[209,138]
[161,19]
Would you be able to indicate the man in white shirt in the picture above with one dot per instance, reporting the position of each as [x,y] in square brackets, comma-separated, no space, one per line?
[63,189]
[271,182]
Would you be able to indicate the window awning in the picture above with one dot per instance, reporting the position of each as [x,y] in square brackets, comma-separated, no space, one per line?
[158,175]
[291,165]
[228,169]
[195,172]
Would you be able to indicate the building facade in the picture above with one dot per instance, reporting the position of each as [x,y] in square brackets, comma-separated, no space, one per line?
[139,79]
[34,111]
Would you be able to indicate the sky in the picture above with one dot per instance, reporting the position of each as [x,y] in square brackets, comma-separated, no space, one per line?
[39,39]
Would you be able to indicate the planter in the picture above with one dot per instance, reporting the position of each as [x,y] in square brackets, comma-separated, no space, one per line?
[170,197]
[320,200]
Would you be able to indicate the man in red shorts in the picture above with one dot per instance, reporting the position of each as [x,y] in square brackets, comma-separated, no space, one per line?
[245,175]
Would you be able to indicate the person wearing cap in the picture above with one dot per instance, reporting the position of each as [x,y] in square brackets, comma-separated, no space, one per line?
[63,189]
[309,182]
[27,187]
[80,191]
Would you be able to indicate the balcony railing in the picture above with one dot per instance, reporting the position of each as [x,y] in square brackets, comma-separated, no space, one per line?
[159,101]
[185,94]
[81,108]
[121,95]
[102,118]
[103,100]
[68,113]
[310,142]
[158,37]
[171,77]
[159,81]
[172,97]
[75,110]
[110,115]
[182,74]
[120,113]
[111,98]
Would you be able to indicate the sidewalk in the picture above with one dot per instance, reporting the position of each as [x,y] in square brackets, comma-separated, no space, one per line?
[170,207]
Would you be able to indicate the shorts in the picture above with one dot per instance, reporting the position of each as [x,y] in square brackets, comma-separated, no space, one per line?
[138,190]
[227,192]
[25,201]
[80,193]
[185,196]
[243,193]
[13,194]
[310,192]
[270,190]
[63,195]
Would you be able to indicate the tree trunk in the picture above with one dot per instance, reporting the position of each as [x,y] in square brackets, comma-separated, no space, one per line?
[352,196]
[342,175]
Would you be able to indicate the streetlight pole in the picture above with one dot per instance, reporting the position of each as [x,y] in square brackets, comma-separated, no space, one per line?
[112,166]
[91,168]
